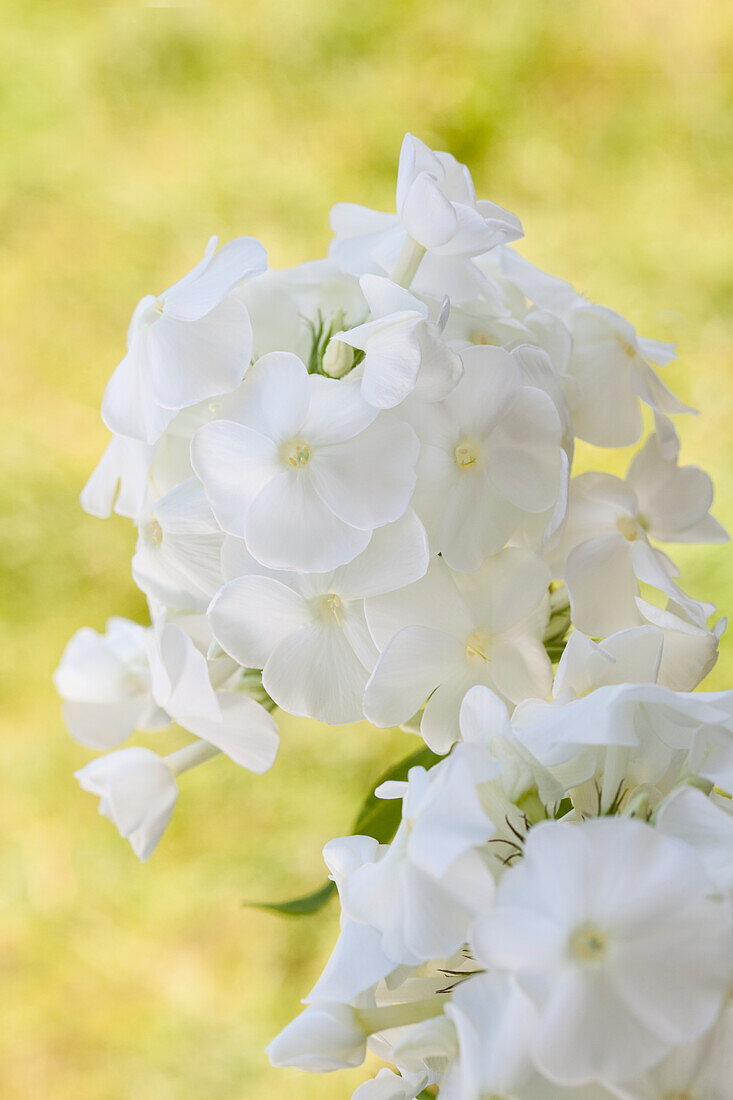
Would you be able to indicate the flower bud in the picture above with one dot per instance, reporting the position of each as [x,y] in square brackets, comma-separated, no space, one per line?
[137,792]
[338,359]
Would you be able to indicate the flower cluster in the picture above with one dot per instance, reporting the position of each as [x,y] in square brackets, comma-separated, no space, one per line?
[352,486]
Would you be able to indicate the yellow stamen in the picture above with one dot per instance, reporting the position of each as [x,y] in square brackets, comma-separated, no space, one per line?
[297,454]
[588,944]
[466,454]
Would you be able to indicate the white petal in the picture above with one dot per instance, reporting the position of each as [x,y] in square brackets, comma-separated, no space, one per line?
[314,673]
[413,664]
[524,460]
[234,463]
[128,405]
[289,527]
[119,479]
[433,601]
[192,361]
[602,585]
[368,481]
[211,281]
[397,555]
[337,410]
[245,732]
[252,614]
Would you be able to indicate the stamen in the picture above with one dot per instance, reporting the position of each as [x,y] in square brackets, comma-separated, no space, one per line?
[466,454]
[332,605]
[153,533]
[628,528]
[297,454]
[477,645]
[589,944]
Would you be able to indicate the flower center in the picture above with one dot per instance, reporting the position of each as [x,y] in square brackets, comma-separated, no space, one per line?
[589,944]
[466,454]
[331,605]
[297,453]
[477,645]
[153,533]
[628,528]
[627,348]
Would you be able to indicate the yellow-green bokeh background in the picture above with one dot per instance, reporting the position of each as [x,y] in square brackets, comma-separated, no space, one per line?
[129,135]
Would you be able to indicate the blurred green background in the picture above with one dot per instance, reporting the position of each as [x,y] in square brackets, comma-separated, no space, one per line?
[129,135]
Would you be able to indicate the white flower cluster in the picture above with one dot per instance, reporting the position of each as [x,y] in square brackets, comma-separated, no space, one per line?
[351,482]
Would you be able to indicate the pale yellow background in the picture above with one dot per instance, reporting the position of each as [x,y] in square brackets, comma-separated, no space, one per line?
[129,135]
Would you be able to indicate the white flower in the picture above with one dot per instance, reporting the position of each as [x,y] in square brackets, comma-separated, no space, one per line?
[673,501]
[611,374]
[187,344]
[490,454]
[104,680]
[422,892]
[619,736]
[308,632]
[613,931]
[450,631]
[403,349]
[437,212]
[137,792]
[178,555]
[307,471]
[604,553]
[226,718]
[323,1038]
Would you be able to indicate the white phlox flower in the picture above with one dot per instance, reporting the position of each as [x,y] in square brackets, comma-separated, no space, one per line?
[490,455]
[308,632]
[613,931]
[617,736]
[422,892]
[612,375]
[187,344]
[403,349]
[307,471]
[105,683]
[605,553]
[356,494]
[137,791]
[437,214]
[449,631]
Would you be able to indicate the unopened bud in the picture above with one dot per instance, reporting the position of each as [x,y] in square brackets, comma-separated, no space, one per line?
[338,359]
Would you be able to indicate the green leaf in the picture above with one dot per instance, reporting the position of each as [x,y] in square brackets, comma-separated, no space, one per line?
[297,907]
[377,817]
